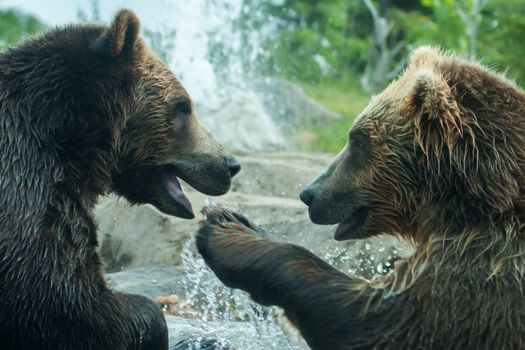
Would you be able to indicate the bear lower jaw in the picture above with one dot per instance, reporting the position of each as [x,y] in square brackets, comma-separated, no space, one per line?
[173,188]
[351,226]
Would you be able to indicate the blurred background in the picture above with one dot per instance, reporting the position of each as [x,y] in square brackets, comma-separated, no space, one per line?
[279,83]
[292,74]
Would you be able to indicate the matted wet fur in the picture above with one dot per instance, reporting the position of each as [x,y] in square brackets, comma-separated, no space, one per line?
[85,111]
[438,158]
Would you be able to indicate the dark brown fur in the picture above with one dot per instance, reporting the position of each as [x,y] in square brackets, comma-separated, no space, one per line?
[438,158]
[84,111]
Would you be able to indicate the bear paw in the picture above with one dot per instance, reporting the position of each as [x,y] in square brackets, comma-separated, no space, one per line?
[226,240]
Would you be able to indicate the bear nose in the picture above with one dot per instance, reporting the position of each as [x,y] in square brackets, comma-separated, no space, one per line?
[307,195]
[233,165]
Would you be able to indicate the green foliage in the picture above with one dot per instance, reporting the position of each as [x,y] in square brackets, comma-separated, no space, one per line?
[501,37]
[326,45]
[422,28]
[344,97]
[313,40]
[15,25]
[339,33]
[500,30]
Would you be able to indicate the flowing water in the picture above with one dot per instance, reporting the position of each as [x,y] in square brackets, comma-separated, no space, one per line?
[230,315]
[202,43]
[207,299]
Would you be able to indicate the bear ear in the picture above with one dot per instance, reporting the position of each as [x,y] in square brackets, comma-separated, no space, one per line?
[435,113]
[424,55]
[121,38]
[431,95]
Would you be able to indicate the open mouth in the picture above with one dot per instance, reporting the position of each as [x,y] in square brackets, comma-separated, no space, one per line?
[170,178]
[350,227]
[172,184]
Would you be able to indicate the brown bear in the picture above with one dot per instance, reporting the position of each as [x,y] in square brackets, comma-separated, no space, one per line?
[84,111]
[437,158]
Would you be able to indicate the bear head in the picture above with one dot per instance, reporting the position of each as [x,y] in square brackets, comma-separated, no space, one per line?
[119,119]
[439,151]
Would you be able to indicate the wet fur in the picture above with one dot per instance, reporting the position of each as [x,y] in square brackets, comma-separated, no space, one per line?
[445,169]
[85,111]
[60,127]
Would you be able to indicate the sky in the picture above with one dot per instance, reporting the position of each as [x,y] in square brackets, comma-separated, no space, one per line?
[57,12]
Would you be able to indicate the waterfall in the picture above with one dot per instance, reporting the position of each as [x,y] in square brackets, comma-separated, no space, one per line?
[194,33]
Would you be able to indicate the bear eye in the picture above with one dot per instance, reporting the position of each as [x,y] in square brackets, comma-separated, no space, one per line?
[356,143]
[182,107]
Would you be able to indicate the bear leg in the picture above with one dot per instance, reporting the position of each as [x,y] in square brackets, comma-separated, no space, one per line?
[146,315]
[326,305]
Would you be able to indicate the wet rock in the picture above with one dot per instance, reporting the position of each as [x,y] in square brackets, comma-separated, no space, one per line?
[134,236]
[238,335]
[278,174]
[242,123]
[265,116]
[152,281]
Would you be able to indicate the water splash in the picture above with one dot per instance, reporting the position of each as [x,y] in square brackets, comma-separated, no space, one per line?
[207,299]
[208,202]
[194,34]
[229,315]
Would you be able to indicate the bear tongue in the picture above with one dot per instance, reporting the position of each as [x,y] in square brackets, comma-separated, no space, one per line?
[175,191]
[341,230]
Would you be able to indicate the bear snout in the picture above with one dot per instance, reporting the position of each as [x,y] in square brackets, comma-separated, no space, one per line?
[233,165]
[307,195]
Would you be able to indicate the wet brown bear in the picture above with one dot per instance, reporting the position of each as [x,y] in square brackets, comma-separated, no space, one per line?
[438,158]
[84,111]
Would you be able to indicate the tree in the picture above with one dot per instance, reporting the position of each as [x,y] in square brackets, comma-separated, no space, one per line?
[500,34]
[382,66]
[308,40]
[470,14]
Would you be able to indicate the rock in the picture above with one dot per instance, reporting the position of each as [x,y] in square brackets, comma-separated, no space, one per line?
[264,116]
[241,123]
[238,335]
[278,174]
[289,105]
[266,192]
[153,281]
[134,236]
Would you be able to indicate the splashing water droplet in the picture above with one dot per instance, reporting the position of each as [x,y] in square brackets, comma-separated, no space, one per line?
[209,202]
[207,299]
